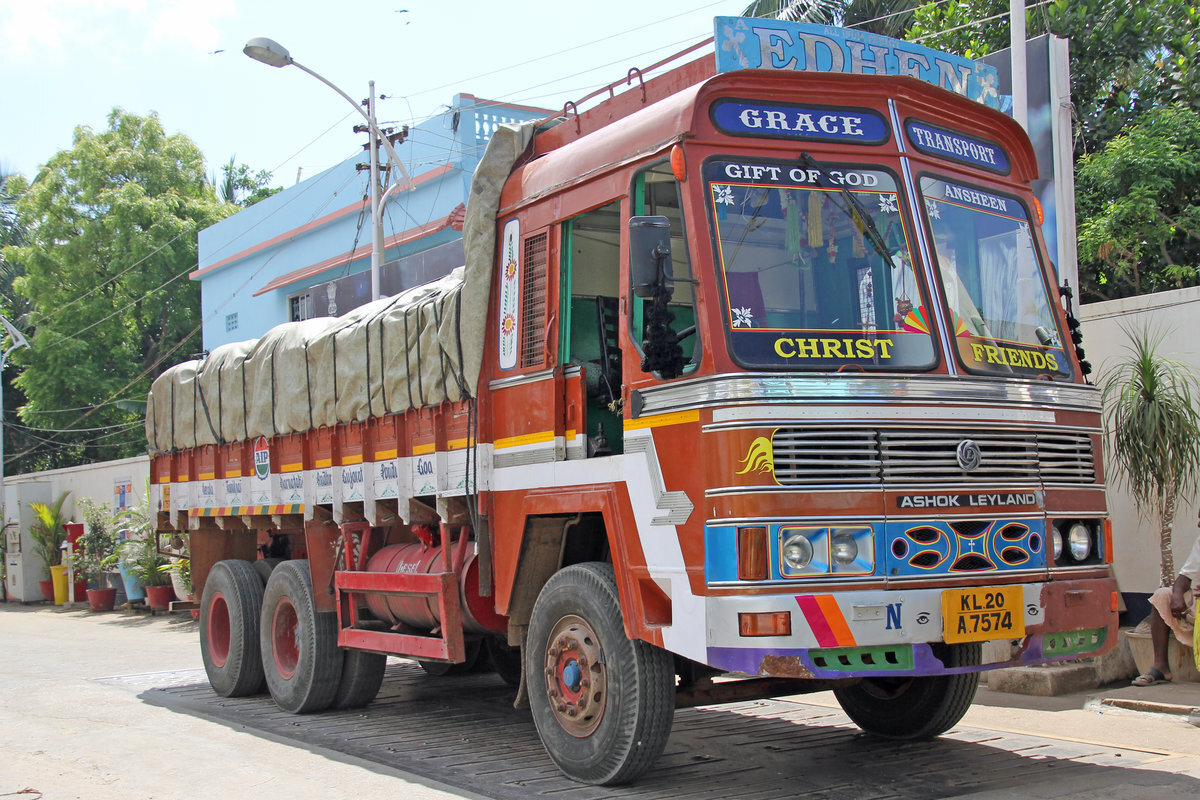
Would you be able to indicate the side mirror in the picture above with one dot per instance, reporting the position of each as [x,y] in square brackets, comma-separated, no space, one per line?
[650,257]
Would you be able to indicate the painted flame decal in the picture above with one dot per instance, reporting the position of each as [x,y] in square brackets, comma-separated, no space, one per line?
[760,458]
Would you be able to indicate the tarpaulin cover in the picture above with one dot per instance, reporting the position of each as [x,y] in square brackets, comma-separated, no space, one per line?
[419,348]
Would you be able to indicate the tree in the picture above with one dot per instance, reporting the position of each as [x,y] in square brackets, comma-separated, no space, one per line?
[240,187]
[111,226]
[1126,58]
[884,17]
[1153,433]
[15,308]
[1139,208]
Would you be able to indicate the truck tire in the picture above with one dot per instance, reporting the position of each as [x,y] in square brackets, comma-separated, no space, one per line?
[299,645]
[602,703]
[229,635]
[264,567]
[914,708]
[505,660]
[473,655]
[362,675]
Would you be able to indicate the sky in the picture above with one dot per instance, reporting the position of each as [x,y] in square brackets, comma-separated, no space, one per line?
[68,63]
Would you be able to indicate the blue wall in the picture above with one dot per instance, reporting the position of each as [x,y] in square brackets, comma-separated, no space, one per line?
[319,220]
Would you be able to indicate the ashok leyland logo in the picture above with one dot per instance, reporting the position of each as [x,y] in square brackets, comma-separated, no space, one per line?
[262,459]
[969,456]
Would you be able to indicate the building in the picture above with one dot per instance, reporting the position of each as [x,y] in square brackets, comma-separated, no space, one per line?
[306,251]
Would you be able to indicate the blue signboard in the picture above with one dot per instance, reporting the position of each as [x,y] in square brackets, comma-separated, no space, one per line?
[751,43]
[957,147]
[791,121]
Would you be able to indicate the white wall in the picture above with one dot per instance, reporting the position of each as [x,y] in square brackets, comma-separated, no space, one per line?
[1175,315]
[90,480]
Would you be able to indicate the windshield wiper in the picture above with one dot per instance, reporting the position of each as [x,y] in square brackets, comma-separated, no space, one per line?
[856,210]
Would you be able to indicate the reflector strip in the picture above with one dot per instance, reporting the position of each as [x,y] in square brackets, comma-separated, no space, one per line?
[826,620]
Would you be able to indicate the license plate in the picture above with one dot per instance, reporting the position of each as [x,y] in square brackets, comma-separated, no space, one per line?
[977,615]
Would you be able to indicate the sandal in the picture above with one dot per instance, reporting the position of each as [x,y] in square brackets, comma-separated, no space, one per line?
[1151,677]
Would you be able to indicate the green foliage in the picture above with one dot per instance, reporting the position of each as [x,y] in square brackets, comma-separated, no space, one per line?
[49,531]
[1153,430]
[884,17]
[1126,58]
[1138,202]
[140,552]
[241,187]
[111,226]
[97,547]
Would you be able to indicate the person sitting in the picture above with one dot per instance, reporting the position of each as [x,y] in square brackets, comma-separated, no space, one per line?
[1172,613]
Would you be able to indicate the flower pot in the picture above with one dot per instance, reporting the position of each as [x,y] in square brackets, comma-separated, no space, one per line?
[1180,659]
[181,589]
[101,599]
[133,589]
[47,588]
[159,597]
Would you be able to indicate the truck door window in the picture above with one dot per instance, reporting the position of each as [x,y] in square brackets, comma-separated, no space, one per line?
[591,277]
[657,193]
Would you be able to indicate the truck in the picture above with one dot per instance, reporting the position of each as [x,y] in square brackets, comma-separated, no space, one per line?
[754,383]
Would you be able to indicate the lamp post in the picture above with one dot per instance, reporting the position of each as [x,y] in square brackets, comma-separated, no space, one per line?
[18,341]
[274,54]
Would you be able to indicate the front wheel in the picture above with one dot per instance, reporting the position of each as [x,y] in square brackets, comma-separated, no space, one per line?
[914,708]
[299,645]
[603,704]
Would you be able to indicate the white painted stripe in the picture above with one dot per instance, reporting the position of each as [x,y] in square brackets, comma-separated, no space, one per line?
[851,414]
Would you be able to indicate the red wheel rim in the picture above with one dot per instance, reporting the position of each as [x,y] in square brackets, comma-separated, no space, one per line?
[576,681]
[217,630]
[285,638]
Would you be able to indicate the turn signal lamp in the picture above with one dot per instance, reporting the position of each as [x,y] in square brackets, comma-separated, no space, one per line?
[1037,209]
[1108,542]
[770,623]
[752,554]
[678,163]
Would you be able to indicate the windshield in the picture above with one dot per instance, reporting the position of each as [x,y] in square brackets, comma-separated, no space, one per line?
[806,284]
[992,278]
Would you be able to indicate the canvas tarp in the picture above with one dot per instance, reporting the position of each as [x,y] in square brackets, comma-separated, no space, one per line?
[419,348]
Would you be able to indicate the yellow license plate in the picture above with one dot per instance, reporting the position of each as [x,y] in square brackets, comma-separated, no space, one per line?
[977,615]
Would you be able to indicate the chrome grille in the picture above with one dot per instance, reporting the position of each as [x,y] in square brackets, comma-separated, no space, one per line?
[809,456]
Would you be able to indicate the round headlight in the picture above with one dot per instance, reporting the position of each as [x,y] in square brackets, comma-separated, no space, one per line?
[843,549]
[1056,544]
[797,552]
[1079,540]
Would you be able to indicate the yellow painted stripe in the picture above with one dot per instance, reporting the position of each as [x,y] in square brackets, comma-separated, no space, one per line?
[291,468]
[460,444]
[184,478]
[348,460]
[571,433]
[207,476]
[235,473]
[324,462]
[525,438]
[383,455]
[423,449]
[660,420]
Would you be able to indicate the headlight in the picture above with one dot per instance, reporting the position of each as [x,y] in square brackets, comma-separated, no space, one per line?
[1056,543]
[797,552]
[1079,540]
[844,549]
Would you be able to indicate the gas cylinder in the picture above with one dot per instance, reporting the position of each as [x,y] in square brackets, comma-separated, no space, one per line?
[421,611]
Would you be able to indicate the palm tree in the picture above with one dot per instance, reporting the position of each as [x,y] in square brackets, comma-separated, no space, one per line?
[1153,432]
[885,17]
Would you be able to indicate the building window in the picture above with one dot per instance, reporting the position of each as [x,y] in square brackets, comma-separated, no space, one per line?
[300,307]
[231,322]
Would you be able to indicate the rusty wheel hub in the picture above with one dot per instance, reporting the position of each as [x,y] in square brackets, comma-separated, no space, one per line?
[575,677]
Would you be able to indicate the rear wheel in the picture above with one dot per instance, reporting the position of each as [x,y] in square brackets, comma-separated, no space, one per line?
[915,708]
[473,655]
[603,704]
[362,675]
[300,655]
[264,567]
[506,660]
[229,629]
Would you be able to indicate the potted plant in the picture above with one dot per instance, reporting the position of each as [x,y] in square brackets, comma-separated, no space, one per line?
[180,572]
[49,534]
[146,562]
[1153,430]
[97,554]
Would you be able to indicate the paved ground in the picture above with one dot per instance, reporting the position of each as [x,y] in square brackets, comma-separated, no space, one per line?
[116,706]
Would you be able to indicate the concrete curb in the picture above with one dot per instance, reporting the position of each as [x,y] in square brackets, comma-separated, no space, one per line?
[1149,705]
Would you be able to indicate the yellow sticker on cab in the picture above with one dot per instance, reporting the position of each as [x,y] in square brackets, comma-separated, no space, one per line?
[981,614]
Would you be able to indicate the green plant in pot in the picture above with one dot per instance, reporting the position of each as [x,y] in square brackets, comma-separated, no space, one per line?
[49,531]
[96,551]
[179,570]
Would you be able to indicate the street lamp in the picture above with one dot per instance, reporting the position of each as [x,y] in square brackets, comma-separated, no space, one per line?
[274,54]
